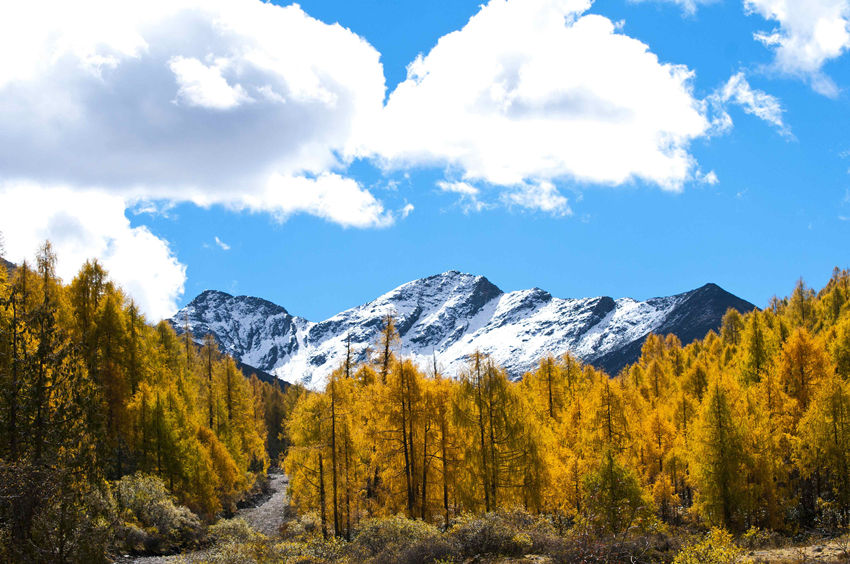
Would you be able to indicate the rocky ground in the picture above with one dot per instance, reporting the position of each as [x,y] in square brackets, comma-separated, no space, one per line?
[834,551]
[265,518]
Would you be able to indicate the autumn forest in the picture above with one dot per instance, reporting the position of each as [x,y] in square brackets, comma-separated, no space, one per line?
[104,416]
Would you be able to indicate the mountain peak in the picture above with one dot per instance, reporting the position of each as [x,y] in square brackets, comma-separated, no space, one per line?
[216,299]
[211,294]
[451,315]
[709,287]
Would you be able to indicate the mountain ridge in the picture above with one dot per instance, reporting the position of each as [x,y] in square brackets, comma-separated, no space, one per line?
[451,315]
[9,266]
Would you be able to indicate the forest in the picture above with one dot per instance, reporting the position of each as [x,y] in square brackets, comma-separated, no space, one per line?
[747,429]
[121,437]
[103,416]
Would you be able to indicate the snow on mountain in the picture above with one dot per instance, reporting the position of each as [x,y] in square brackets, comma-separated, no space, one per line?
[451,315]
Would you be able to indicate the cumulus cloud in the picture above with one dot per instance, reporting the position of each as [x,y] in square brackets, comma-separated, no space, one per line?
[738,91]
[262,108]
[204,86]
[330,196]
[807,36]
[205,101]
[84,224]
[535,91]
[143,105]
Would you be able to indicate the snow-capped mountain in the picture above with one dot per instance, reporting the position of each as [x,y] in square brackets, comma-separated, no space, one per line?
[451,315]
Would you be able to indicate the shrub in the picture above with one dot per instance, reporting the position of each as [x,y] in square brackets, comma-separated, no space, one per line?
[389,535]
[240,553]
[756,538]
[432,550]
[145,505]
[716,548]
[232,530]
[511,533]
[305,525]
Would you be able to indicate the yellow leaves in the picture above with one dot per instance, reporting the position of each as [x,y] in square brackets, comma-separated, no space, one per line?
[840,348]
[824,432]
[803,362]
[717,463]
[717,547]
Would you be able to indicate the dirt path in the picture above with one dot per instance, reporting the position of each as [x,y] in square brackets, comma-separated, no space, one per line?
[836,551]
[266,518]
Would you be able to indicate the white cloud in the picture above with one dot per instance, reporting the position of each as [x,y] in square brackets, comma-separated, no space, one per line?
[737,90]
[709,177]
[329,196]
[92,224]
[262,108]
[532,91]
[221,244]
[204,86]
[543,196]
[809,34]
[468,195]
[407,210]
[463,188]
[205,101]
[143,105]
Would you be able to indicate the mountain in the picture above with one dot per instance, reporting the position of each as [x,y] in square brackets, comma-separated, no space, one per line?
[9,266]
[451,315]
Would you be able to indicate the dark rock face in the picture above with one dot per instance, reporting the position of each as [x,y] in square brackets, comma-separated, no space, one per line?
[451,315]
[700,311]
[249,371]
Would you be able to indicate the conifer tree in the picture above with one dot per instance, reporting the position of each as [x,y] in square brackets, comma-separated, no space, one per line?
[717,463]
[803,362]
[824,447]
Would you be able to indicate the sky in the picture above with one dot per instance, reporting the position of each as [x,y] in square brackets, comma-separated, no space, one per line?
[320,154]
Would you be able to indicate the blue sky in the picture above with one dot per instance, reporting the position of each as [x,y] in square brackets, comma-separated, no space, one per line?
[777,211]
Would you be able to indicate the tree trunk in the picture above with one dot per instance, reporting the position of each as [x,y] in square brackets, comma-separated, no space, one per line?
[333,458]
[481,430]
[322,511]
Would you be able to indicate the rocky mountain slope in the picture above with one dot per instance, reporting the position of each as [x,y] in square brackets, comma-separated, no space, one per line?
[451,315]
